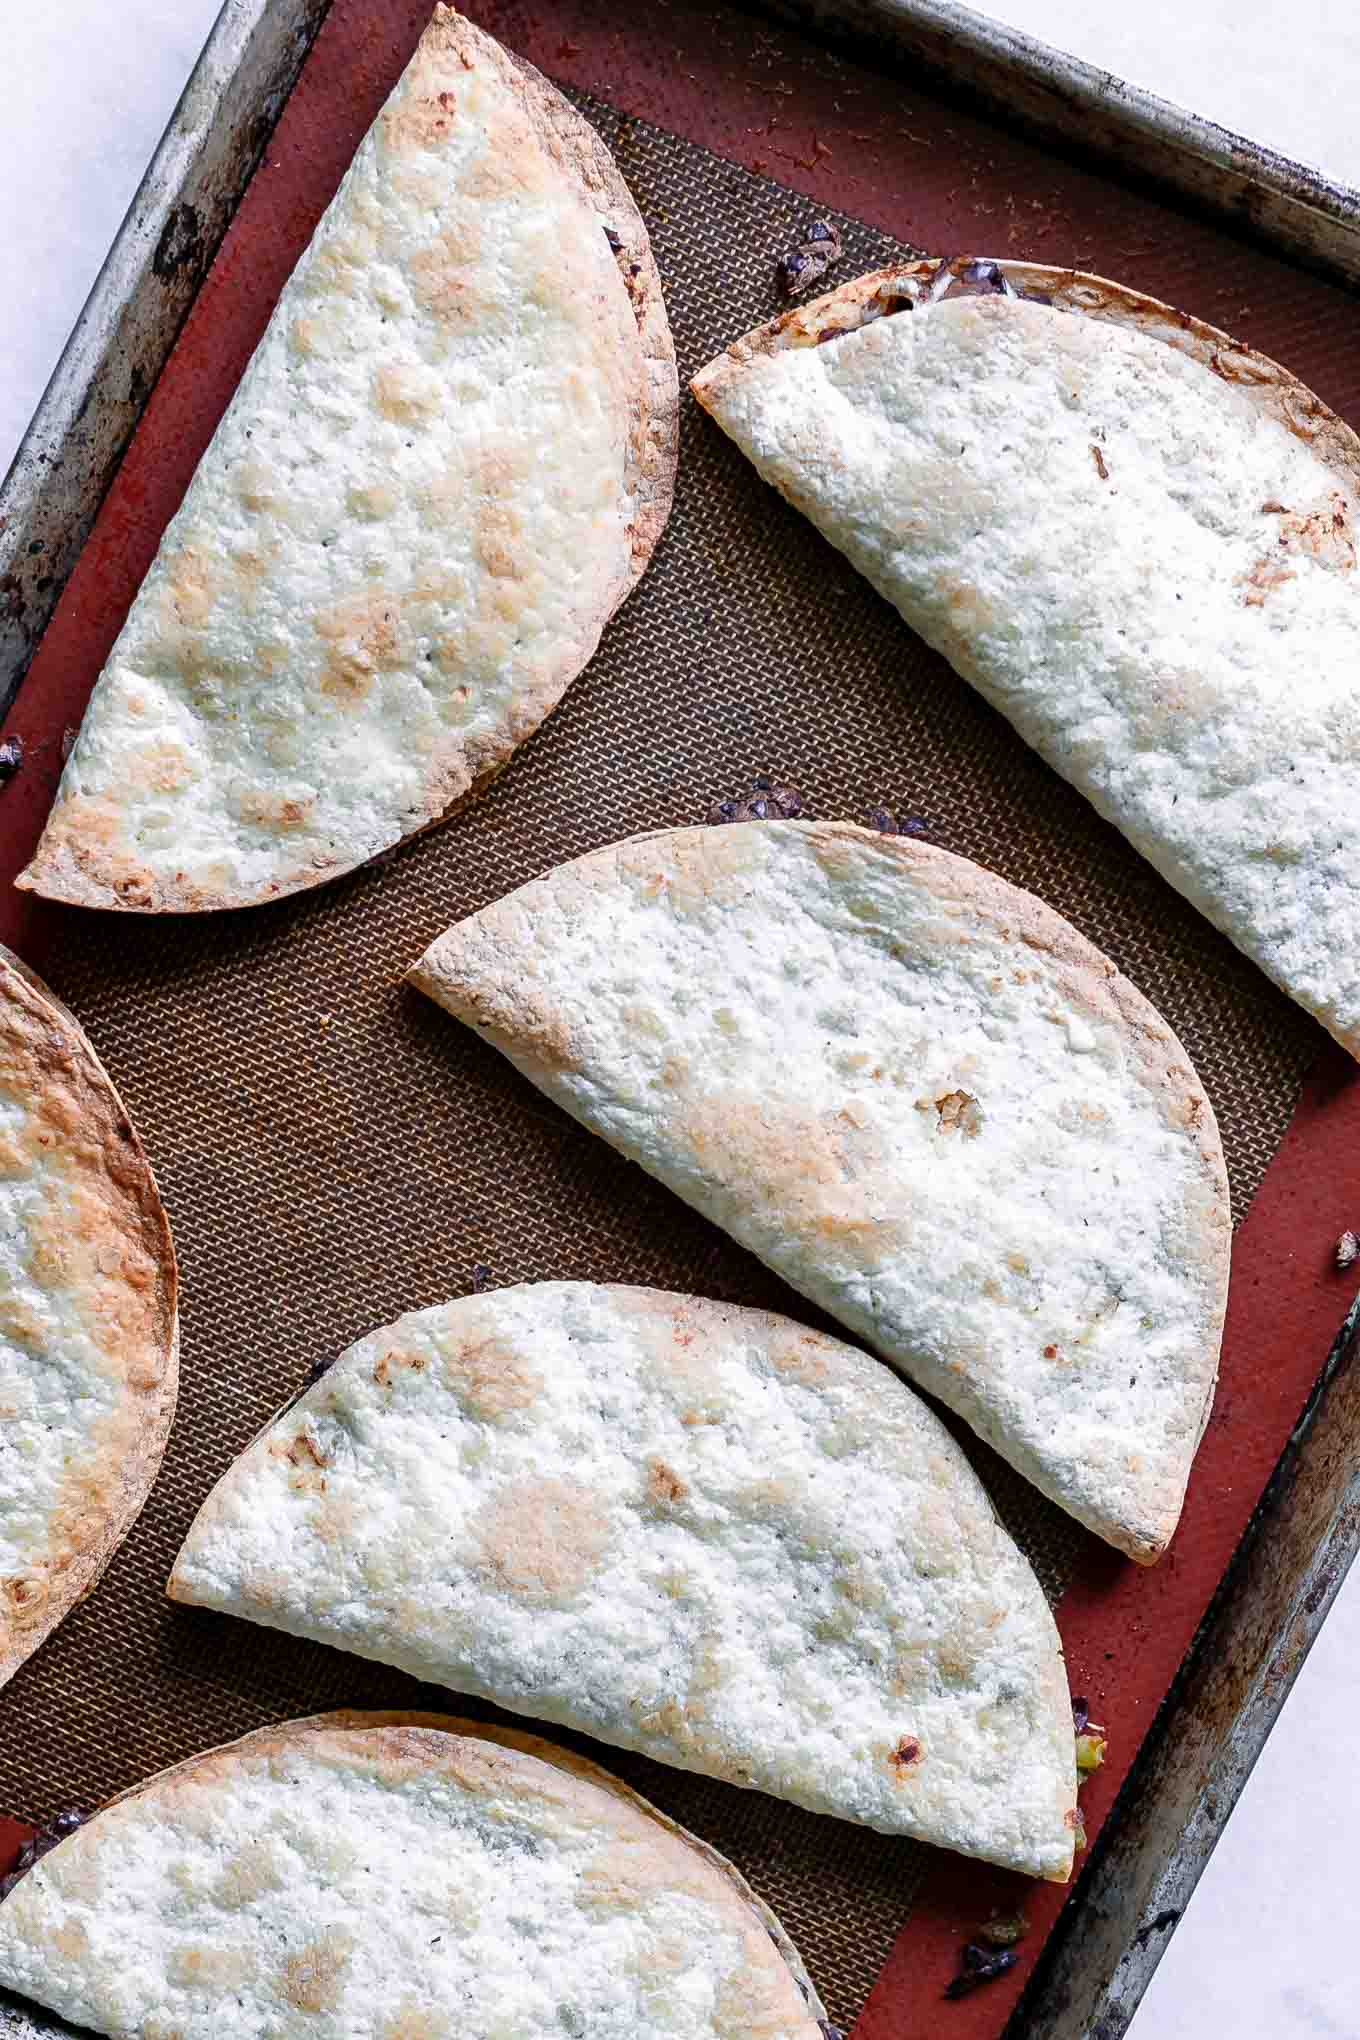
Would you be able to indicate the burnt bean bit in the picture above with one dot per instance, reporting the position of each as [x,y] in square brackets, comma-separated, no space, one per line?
[889,824]
[975,1973]
[1081,1713]
[766,802]
[789,272]
[982,272]
[613,239]
[37,1846]
[808,263]
[976,279]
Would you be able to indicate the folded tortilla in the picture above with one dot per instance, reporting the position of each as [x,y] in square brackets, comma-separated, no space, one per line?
[397,1877]
[920,1097]
[88,1326]
[1135,538]
[446,465]
[694,1530]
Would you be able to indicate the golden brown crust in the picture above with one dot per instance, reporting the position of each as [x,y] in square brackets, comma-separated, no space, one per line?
[420,1740]
[77,861]
[1273,388]
[121,1254]
[654,443]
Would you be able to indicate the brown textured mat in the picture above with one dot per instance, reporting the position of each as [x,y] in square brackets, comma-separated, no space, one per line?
[334,1150]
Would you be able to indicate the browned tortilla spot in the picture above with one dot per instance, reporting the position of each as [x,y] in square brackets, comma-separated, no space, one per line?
[366,638]
[541,1540]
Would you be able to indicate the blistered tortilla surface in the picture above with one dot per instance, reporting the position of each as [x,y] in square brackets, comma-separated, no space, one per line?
[444,467]
[920,1097]
[88,1341]
[391,1882]
[695,1530]
[1138,541]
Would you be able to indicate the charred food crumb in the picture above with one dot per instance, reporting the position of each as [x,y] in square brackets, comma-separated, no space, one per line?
[1347,1249]
[1003,1930]
[807,264]
[979,1965]
[908,1752]
[1090,1751]
[959,1112]
[482,1278]
[1090,1738]
[889,824]
[11,758]
[768,801]
[56,1830]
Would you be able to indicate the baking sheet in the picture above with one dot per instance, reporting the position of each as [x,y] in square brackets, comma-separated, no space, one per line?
[277,1072]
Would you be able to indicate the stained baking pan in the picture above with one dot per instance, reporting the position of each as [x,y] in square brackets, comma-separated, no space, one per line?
[331,1153]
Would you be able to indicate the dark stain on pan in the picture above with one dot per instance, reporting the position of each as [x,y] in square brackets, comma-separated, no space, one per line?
[1161,1925]
[180,245]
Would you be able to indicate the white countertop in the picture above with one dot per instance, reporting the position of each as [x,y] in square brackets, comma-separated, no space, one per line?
[1282,76]
[1267,1950]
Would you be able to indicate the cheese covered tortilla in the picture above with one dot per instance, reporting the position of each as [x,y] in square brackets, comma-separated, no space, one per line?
[1134,537]
[390,1877]
[920,1097]
[88,1338]
[446,465]
[695,1530]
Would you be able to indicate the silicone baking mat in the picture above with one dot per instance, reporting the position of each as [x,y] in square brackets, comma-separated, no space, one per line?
[334,1150]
